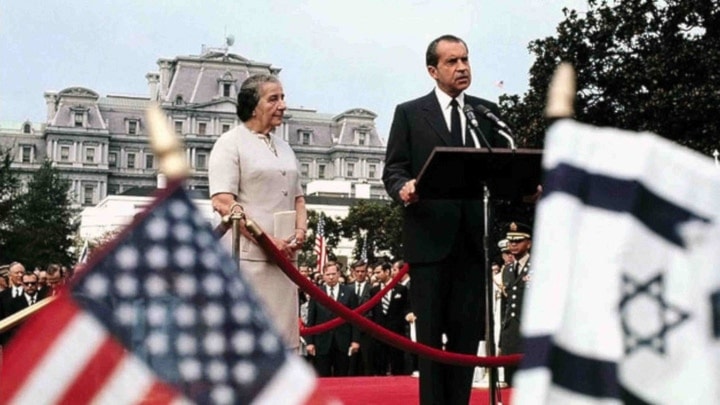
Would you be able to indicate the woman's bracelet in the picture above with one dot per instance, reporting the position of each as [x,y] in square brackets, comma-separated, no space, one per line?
[301,229]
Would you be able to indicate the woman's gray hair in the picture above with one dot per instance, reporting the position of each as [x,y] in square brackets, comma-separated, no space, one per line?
[249,94]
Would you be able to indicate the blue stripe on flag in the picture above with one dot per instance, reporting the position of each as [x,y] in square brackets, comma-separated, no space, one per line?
[582,375]
[658,214]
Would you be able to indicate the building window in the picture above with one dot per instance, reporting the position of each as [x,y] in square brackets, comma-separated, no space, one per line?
[27,129]
[179,100]
[304,170]
[305,138]
[132,128]
[225,128]
[362,137]
[26,154]
[201,161]
[112,159]
[65,153]
[178,127]
[149,161]
[321,171]
[371,171]
[350,172]
[227,90]
[202,128]
[89,155]
[131,160]
[88,194]
[79,119]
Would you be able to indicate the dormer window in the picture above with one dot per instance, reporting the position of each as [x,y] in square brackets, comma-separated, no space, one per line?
[361,137]
[79,119]
[226,85]
[27,128]
[132,127]
[305,137]
[179,100]
[79,116]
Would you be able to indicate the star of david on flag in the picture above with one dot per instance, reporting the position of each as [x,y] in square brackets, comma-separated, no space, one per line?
[160,315]
[624,304]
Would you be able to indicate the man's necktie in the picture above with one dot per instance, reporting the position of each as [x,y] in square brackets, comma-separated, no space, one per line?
[357,289]
[332,292]
[385,301]
[455,128]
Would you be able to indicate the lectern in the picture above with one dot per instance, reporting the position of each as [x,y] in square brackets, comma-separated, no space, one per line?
[472,174]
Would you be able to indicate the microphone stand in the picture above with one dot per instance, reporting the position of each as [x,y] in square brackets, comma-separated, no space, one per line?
[493,392]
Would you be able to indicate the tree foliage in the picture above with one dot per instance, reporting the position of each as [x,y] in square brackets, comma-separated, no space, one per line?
[9,189]
[375,226]
[42,221]
[307,256]
[642,65]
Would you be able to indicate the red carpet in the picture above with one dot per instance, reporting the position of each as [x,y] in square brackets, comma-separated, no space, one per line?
[387,391]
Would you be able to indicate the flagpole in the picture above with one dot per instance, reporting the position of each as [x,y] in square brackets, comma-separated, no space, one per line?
[166,145]
[20,316]
[715,155]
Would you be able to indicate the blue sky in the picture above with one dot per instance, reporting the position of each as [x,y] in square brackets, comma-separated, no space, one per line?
[335,54]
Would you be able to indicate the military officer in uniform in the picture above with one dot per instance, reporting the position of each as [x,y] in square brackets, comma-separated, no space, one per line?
[516,277]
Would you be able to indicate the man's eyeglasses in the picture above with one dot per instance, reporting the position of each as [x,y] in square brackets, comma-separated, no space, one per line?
[30,283]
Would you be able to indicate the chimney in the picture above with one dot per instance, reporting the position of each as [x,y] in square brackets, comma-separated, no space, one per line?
[153,81]
[165,65]
[51,103]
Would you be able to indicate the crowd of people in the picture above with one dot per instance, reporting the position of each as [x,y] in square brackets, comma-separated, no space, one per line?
[21,288]
[347,350]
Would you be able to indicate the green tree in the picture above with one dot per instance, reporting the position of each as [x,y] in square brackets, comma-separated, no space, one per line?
[642,65]
[381,224]
[9,189]
[307,256]
[43,222]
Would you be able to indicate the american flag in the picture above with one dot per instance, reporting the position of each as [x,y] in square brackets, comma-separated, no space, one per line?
[320,245]
[160,315]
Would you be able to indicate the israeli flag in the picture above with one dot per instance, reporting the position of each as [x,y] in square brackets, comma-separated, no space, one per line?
[625,301]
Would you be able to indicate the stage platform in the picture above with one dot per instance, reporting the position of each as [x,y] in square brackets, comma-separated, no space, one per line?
[401,390]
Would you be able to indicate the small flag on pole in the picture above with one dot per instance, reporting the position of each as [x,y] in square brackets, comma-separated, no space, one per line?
[625,301]
[84,253]
[320,245]
[160,315]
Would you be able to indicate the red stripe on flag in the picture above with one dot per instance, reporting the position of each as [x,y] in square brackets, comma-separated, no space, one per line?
[29,346]
[159,393]
[94,375]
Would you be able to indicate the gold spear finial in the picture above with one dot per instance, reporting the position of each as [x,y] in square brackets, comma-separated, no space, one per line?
[166,145]
[561,93]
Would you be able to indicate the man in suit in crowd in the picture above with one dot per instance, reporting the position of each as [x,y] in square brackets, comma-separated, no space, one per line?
[332,349]
[390,314]
[15,288]
[516,276]
[442,239]
[410,359]
[361,361]
[30,295]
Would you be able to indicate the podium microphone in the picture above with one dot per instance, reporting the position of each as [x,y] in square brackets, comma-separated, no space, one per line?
[503,128]
[475,126]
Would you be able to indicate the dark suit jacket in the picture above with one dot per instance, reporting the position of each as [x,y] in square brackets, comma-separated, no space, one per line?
[394,320]
[430,225]
[343,334]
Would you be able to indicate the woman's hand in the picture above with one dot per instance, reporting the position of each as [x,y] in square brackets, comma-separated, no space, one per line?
[284,247]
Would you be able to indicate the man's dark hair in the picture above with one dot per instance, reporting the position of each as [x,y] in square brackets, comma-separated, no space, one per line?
[249,94]
[431,56]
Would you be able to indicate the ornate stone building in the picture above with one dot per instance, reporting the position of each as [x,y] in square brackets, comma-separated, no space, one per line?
[101,144]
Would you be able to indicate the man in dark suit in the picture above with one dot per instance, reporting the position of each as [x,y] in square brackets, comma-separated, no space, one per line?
[332,349]
[516,276]
[361,361]
[442,239]
[390,314]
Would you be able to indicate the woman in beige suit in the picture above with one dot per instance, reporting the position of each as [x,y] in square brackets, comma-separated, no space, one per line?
[256,169]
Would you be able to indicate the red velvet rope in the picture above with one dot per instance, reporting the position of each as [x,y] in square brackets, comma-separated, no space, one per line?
[334,323]
[373,329]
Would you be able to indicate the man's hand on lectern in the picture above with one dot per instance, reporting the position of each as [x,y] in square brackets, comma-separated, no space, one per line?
[407,193]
